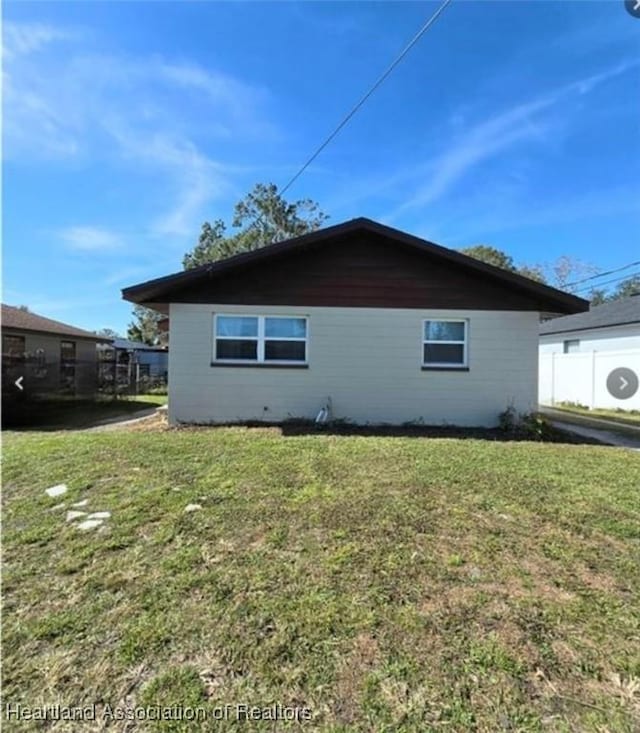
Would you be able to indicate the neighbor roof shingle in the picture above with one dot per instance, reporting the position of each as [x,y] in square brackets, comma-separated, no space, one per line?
[26,321]
[617,313]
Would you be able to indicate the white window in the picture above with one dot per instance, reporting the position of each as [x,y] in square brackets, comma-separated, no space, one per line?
[444,344]
[571,346]
[260,339]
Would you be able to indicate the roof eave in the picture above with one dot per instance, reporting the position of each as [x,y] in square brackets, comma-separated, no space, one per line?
[576,329]
[45,332]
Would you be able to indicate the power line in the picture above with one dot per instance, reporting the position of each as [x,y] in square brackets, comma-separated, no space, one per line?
[381,79]
[609,282]
[602,274]
[430,21]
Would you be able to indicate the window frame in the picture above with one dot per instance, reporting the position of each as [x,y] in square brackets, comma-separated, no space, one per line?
[8,354]
[68,373]
[446,365]
[568,344]
[260,340]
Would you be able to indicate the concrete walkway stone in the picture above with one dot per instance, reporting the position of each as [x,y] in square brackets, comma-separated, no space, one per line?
[71,515]
[89,524]
[57,490]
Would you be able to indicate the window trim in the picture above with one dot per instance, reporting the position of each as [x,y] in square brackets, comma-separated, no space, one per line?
[21,356]
[68,374]
[440,365]
[260,340]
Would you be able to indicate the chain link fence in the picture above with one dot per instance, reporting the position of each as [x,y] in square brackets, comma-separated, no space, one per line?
[34,376]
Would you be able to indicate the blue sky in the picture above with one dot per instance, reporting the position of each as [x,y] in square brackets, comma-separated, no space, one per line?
[126,125]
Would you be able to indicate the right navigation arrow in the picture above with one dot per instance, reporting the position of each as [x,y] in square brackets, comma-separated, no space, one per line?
[622,383]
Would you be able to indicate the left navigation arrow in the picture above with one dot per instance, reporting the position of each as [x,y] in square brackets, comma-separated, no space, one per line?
[18,383]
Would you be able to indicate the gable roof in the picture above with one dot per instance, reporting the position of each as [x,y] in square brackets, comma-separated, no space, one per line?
[617,313]
[22,320]
[161,290]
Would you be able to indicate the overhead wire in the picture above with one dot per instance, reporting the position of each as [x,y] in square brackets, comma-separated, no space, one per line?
[603,274]
[628,276]
[359,104]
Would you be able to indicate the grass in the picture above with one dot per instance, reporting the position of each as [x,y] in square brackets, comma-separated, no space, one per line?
[385,583]
[70,413]
[630,417]
[151,399]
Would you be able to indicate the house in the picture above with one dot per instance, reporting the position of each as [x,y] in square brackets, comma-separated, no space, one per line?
[593,358]
[144,361]
[356,322]
[50,356]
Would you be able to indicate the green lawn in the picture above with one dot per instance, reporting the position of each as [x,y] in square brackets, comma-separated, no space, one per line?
[152,399]
[385,583]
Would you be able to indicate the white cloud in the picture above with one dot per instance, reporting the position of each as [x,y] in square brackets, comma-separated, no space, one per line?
[159,117]
[21,39]
[480,142]
[192,178]
[90,239]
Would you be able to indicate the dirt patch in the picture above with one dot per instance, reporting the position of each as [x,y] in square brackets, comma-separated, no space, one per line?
[154,424]
[354,668]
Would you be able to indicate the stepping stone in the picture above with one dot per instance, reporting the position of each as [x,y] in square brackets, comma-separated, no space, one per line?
[89,524]
[100,515]
[57,490]
[57,506]
[192,507]
[71,515]
[84,502]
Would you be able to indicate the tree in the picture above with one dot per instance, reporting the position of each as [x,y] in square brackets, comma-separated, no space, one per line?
[626,288]
[261,218]
[491,256]
[560,274]
[144,327]
[108,333]
[597,296]
[213,244]
[533,272]
[566,269]
[630,286]
[498,258]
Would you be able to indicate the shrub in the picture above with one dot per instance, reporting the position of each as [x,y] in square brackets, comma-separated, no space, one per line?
[525,424]
[508,419]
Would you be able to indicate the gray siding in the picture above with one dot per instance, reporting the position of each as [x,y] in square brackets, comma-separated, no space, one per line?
[368,360]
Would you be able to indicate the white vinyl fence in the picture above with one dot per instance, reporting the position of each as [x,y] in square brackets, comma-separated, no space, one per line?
[582,378]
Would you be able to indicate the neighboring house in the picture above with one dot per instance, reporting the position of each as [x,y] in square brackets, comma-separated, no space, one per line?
[50,356]
[147,362]
[371,323]
[593,358]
